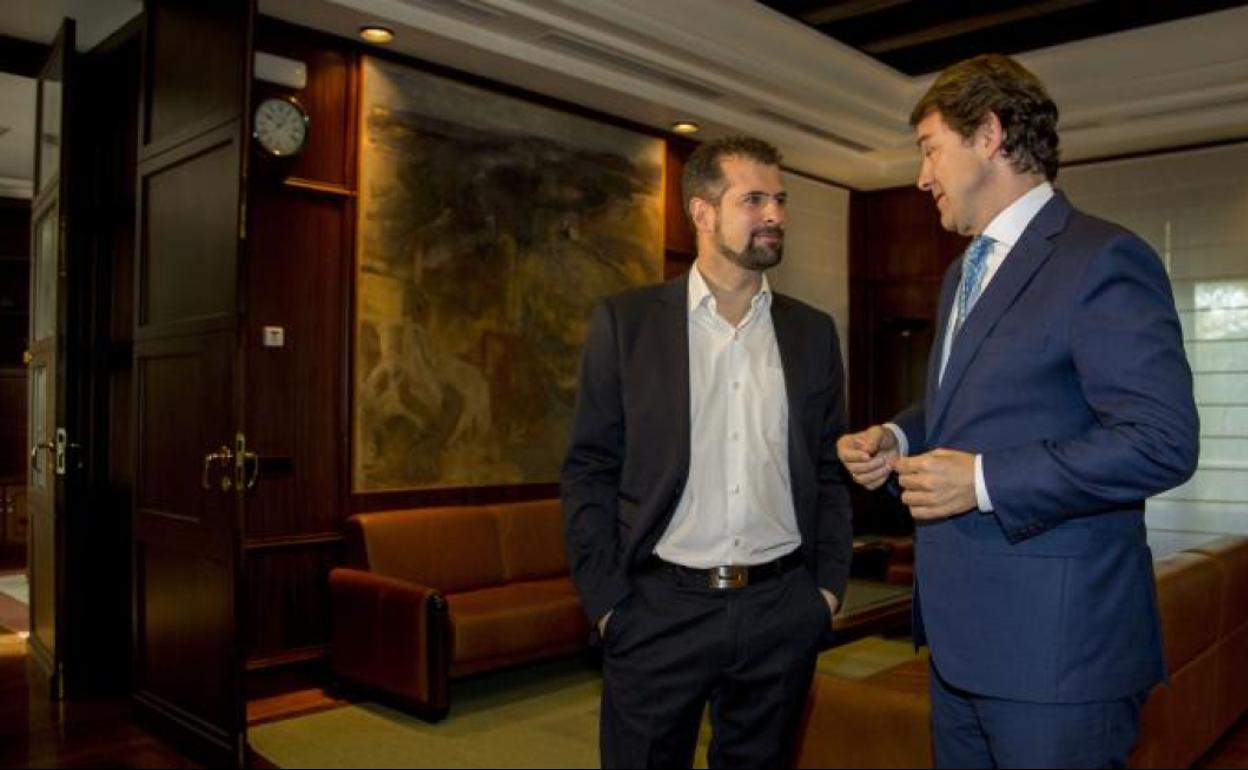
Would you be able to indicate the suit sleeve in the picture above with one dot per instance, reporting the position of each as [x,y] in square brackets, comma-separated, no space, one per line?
[1127,348]
[836,537]
[590,477]
[912,421]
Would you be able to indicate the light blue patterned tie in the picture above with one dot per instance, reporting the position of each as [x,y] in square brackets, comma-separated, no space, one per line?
[973,264]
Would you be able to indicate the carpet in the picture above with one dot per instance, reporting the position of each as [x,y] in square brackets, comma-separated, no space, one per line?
[544,715]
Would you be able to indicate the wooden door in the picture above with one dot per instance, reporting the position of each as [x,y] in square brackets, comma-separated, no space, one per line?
[190,460]
[49,470]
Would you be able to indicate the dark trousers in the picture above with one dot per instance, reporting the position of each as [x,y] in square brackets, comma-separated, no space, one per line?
[674,645]
[973,731]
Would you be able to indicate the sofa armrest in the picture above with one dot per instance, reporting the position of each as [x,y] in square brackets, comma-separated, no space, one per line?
[852,724]
[392,636]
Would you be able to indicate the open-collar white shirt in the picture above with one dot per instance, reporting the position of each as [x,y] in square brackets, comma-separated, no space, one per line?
[737,504]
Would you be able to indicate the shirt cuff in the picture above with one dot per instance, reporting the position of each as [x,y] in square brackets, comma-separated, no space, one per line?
[903,444]
[981,487]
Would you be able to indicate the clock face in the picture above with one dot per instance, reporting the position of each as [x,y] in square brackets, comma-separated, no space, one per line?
[280,126]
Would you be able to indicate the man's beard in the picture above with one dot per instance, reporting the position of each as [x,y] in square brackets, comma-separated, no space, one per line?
[755,256]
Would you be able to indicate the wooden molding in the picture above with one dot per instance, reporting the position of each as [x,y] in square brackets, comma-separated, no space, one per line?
[324,188]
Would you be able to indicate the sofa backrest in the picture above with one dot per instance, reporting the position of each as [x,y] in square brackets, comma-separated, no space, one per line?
[531,537]
[1189,598]
[450,549]
[461,548]
[1231,553]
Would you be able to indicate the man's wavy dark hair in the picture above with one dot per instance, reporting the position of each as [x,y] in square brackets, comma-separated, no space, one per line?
[966,92]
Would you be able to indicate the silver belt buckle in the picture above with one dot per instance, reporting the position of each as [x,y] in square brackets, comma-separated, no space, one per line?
[729,577]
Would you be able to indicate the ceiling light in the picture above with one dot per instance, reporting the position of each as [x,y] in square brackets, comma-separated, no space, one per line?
[685,127]
[376,34]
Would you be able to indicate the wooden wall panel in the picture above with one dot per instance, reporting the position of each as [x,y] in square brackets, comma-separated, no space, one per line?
[191,209]
[329,157]
[897,258]
[288,621]
[294,393]
[197,68]
[680,245]
[300,252]
[299,275]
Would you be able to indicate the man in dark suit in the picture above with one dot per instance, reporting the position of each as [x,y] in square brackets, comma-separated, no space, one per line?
[708,524]
[1059,398]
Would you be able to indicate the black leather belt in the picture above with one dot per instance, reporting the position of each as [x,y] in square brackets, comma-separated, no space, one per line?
[733,576]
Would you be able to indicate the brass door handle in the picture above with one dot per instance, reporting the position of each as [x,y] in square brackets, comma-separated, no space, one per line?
[254,459]
[226,458]
[34,452]
[246,479]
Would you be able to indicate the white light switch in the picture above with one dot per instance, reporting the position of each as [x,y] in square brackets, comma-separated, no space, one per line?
[274,337]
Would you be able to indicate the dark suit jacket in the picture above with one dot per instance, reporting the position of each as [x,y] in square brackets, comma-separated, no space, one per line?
[1069,377]
[629,452]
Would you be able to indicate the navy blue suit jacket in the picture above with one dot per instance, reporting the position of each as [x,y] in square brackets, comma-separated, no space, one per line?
[1070,378]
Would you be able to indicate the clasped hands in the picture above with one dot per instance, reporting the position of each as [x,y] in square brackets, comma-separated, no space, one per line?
[935,485]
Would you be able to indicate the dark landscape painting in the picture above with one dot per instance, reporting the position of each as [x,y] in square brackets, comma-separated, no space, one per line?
[488,228]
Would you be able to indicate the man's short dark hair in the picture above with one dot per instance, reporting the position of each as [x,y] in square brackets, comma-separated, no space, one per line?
[704,175]
[966,92]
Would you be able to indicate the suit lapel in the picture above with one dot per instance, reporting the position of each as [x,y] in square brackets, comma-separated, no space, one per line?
[947,293]
[1028,255]
[673,346]
[795,365]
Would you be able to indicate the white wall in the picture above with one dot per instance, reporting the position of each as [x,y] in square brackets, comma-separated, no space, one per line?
[1192,207]
[816,250]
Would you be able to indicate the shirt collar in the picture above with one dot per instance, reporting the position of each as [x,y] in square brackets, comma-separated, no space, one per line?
[700,294]
[1008,226]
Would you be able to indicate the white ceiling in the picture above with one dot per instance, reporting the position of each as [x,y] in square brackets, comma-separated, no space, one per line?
[735,65]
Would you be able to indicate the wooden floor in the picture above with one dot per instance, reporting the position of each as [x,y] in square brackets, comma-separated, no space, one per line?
[34,732]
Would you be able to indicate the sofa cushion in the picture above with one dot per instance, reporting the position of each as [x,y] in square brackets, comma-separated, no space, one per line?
[531,539]
[450,549]
[881,721]
[513,620]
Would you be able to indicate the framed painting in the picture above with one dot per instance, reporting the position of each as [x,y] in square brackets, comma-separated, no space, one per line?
[488,228]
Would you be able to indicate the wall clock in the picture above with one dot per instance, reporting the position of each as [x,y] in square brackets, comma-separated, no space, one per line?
[280,126]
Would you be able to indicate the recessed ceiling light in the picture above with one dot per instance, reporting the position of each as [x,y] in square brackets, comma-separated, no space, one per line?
[376,34]
[685,127]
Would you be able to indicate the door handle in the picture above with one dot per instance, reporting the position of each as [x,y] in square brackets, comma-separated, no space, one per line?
[246,478]
[34,453]
[226,458]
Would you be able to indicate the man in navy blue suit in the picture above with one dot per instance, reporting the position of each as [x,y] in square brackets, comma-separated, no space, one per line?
[1058,399]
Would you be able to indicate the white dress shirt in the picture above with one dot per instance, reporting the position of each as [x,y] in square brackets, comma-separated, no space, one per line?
[737,504]
[1005,229]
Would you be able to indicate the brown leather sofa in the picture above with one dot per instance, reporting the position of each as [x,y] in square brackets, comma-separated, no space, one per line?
[882,720]
[435,594]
